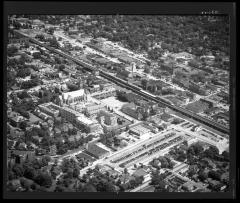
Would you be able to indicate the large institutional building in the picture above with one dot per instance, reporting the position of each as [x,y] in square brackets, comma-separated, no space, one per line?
[89,125]
[80,120]
[69,114]
[74,97]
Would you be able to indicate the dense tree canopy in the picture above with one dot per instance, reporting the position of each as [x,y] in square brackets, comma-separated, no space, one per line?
[44,180]
[11,50]
[177,33]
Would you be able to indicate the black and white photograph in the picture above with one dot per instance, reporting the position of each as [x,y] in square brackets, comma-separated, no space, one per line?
[119,103]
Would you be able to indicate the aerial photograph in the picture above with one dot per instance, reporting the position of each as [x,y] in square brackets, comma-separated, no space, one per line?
[118,103]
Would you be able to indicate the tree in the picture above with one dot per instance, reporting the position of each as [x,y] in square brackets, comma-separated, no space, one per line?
[185,142]
[29,173]
[195,149]
[36,55]
[17,25]
[132,183]
[109,187]
[23,125]
[51,30]
[18,170]
[24,58]
[191,171]
[46,141]
[147,70]
[155,163]
[190,159]
[26,184]
[12,50]
[176,121]
[214,175]
[89,188]
[161,187]
[211,152]
[69,173]
[65,165]
[155,53]
[36,164]
[76,172]
[23,112]
[139,180]
[66,28]
[44,180]
[193,63]
[170,164]
[61,67]
[53,42]
[26,44]
[23,72]
[156,178]
[181,156]
[109,141]
[40,37]
[198,148]
[45,160]
[74,131]
[23,95]
[225,154]
[11,175]
[202,175]
[144,83]
[72,87]
[60,188]
[62,150]
[116,141]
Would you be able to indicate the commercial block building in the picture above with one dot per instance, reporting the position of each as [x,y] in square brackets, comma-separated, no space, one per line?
[210,102]
[106,86]
[139,130]
[50,109]
[105,93]
[98,150]
[16,119]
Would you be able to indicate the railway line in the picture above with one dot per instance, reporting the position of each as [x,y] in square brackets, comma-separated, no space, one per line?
[134,88]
